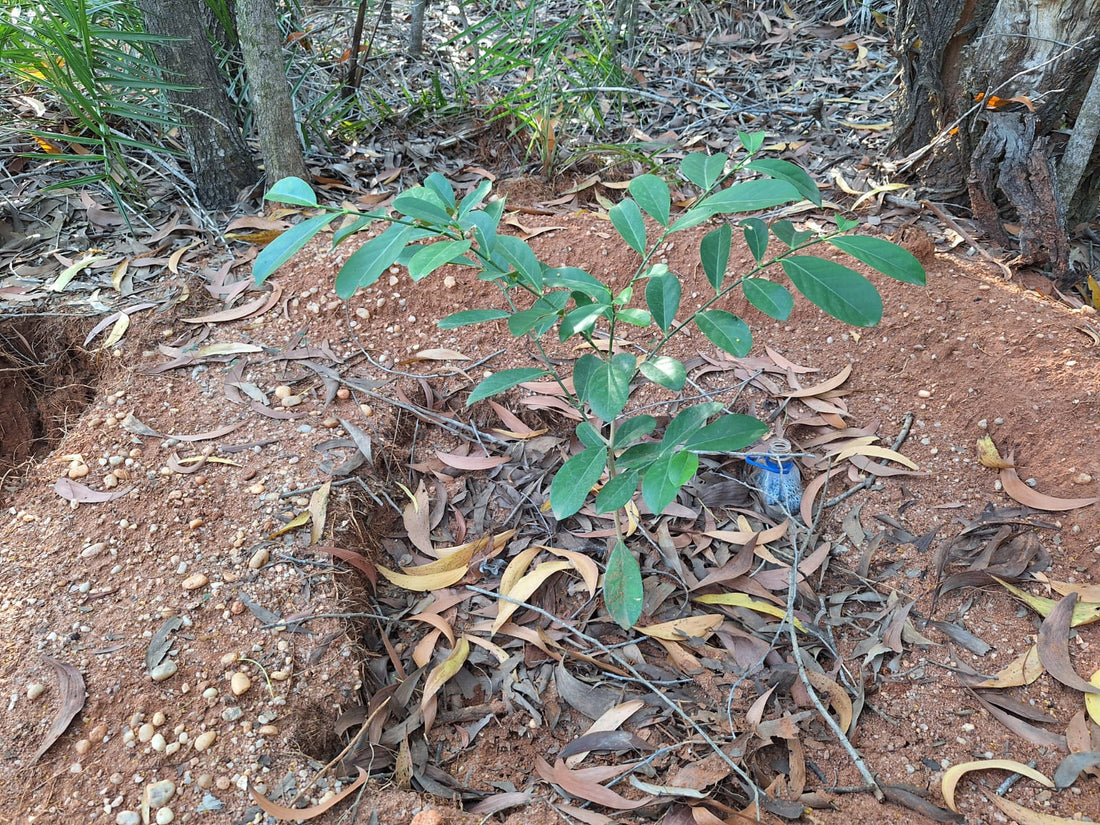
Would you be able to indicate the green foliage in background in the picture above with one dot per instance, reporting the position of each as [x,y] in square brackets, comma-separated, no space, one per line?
[84,62]
[430,227]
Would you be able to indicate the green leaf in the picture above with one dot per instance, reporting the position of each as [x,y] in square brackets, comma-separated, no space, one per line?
[663,479]
[498,382]
[788,234]
[474,198]
[485,232]
[582,320]
[714,251]
[794,175]
[625,296]
[617,492]
[634,428]
[770,298]
[609,387]
[282,249]
[540,317]
[370,260]
[583,371]
[883,256]
[522,258]
[292,190]
[756,236]
[844,225]
[468,317]
[666,371]
[429,258]
[662,296]
[752,141]
[727,434]
[622,587]
[702,169]
[635,316]
[639,456]
[576,280]
[589,436]
[422,204]
[575,479]
[726,331]
[686,422]
[362,222]
[839,291]
[442,188]
[653,196]
[627,220]
[750,196]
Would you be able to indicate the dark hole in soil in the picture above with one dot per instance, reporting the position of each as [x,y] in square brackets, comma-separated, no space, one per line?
[46,381]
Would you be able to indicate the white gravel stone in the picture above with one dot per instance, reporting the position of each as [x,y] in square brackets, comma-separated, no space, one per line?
[239,683]
[164,816]
[35,689]
[195,581]
[164,670]
[127,818]
[205,740]
[158,794]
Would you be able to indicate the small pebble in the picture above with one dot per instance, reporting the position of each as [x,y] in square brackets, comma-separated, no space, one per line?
[35,689]
[145,732]
[283,391]
[158,794]
[127,818]
[195,581]
[291,401]
[1082,478]
[164,670]
[157,743]
[82,746]
[205,740]
[232,714]
[164,816]
[923,394]
[239,683]
[158,718]
[269,730]
[259,558]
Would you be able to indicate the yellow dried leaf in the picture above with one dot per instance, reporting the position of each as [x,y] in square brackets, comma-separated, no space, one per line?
[524,588]
[1023,670]
[1026,816]
[439,675]
[742,600]
[838,698]
[117,331]
[1092,700]
[1083,612]
[296,522]
[424,583]
[988,454]
[585,566]
[953,774]
[318,510]
[282,812]
[876,452]
[690,627]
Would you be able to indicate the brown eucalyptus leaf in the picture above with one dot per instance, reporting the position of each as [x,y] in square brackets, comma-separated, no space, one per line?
[500,802]
[824,386]
[1054,646]
[356,560]
[70,685]
[591,701]
[255,307]
[1036,500]
[906,798]
[574,784]
[282,812]
[605,741]
[1073,766]
[953,774]
[75,491]
[1025,730]
[416,516]
[471,462]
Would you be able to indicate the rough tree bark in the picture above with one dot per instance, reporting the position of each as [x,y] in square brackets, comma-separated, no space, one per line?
[990,89]
[221,164]
[272,108]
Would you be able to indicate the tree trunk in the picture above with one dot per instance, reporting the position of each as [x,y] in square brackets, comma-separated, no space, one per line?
[272,107]
[221,164]
[988,89]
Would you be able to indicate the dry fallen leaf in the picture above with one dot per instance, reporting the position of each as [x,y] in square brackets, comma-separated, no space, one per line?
[70,685]
[988,455]
[1025,816]
[282,812]
[953,774]
[1023,670]
[1034,499]
[1054,646]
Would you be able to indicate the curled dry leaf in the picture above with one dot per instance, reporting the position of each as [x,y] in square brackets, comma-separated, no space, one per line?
[742,600]
[70,685]
[876,452]
[1023,670]
[953,774]
[75,491]
[1036,500]
[824,386]
[838,698]
[255,307]
[282,812]
[423,582]
[1026,816]
[524,588]
[988,455]
[439,675]
[1083,612]
[1092,700]
[679,630]
[577,785]
[318,512]
[1054,646]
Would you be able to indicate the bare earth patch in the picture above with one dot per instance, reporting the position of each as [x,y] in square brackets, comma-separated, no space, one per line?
[265,666]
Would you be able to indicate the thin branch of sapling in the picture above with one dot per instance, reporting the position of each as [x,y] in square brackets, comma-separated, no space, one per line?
[796,653]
